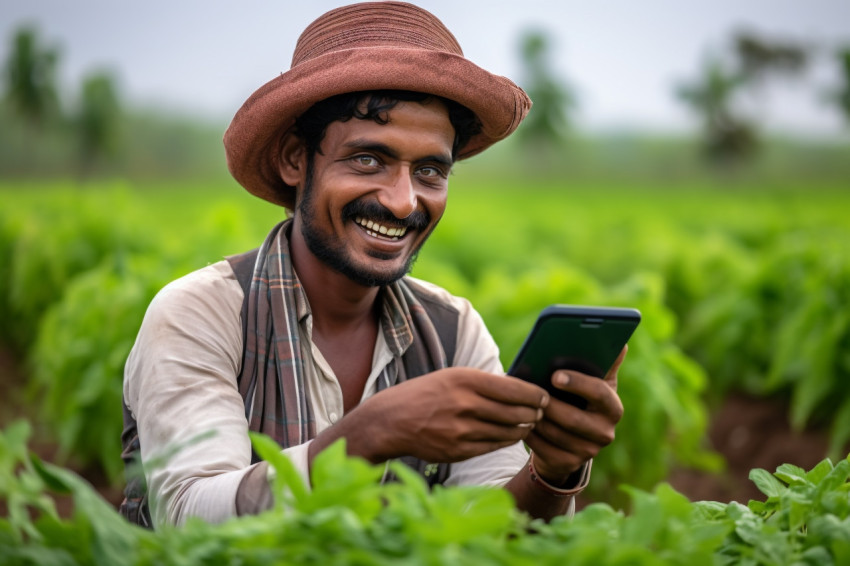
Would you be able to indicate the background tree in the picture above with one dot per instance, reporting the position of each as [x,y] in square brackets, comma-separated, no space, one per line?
[842,95]
[97,120]
[759,58]
[30,77]
[548,122]
[729,137]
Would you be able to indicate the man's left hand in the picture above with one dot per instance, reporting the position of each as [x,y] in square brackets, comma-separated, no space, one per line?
[568,436]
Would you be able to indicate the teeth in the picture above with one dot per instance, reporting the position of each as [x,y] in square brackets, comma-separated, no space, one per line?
[376,230]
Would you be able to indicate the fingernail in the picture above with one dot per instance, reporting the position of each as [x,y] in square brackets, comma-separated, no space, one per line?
[539,414]
[562,378]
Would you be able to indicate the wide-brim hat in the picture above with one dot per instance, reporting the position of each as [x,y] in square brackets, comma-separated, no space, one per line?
[361,47]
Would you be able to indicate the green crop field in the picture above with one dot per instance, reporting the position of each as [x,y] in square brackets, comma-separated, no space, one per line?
[741,288]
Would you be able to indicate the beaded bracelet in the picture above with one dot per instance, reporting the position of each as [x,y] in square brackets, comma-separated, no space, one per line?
[546,486]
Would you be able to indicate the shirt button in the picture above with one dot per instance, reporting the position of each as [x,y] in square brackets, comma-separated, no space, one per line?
[333,417]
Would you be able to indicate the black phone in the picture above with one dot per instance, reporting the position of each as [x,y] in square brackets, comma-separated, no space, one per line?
[582,338]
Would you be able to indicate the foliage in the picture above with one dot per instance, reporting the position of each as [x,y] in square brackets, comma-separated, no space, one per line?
[348,518]
[729,137]
[97,120]
[736,295]
[87,315]
[30,77]
[47,247]
[548,120]
[94,327]
[842,95]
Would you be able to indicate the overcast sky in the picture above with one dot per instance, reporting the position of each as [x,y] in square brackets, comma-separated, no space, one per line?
[624,57]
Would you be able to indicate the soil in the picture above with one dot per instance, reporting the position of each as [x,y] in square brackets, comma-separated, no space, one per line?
[749,432]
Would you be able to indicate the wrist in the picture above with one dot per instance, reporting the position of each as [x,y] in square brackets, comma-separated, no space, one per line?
[569,485]
[366,437]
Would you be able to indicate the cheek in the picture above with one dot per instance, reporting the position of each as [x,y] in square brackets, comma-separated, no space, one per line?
[436,206]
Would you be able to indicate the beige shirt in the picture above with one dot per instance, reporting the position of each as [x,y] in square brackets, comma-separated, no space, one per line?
[180,385]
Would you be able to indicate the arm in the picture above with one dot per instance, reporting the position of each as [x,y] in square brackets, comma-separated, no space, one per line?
[180,383]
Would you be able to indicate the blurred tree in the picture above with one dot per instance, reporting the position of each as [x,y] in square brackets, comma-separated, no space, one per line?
[760,58]
[842,96]
[30,77]
[97,120]
[729,137]
[548,121]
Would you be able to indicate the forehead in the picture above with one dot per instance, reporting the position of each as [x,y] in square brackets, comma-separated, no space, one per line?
[408,125]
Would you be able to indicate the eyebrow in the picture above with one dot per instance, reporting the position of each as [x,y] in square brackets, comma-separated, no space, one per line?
[377,147]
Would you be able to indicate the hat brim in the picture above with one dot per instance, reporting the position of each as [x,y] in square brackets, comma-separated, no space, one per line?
[252,139]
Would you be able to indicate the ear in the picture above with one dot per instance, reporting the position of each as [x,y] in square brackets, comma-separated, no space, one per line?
[292,163]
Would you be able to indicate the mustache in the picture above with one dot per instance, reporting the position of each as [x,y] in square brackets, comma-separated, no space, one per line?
[418,219]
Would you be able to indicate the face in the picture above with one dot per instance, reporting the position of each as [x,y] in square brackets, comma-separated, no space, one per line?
[376,191]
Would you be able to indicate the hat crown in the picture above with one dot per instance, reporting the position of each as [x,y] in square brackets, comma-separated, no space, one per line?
[374,24]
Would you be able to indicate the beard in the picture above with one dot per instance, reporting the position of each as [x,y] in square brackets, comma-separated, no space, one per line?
[332,251]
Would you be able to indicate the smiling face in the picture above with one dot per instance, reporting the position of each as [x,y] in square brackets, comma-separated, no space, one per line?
[375,192]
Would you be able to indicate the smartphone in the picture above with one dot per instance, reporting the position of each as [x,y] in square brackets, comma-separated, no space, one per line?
[582,338]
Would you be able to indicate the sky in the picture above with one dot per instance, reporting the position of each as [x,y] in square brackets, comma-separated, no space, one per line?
[623,58]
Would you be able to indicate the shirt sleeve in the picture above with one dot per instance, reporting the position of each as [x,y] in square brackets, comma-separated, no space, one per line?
[180,385]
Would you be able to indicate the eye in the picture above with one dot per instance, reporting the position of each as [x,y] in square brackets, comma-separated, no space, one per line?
[367,161]
[430,172]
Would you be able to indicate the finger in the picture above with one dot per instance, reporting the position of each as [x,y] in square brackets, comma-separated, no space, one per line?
[600,396]
[484,432]
[507,389]
[611,376]
[505,414]
[565,460]
[564,424]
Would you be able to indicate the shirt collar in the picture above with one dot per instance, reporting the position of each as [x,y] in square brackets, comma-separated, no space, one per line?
[394,317]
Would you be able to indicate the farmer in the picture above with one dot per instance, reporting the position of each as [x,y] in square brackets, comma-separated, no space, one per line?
[320,335]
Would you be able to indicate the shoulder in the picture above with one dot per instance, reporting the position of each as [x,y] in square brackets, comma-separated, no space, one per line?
[475,346]
[201,307]
[215,282]
[437,297]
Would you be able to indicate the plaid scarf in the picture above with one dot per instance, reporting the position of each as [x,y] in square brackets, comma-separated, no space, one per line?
[273,378]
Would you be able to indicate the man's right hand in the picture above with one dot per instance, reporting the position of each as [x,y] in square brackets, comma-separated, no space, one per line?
[446,416]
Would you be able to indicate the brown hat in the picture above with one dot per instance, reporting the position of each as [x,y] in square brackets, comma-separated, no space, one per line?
[367,46]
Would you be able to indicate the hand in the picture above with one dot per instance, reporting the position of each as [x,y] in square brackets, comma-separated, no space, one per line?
[567,436]
[445,416]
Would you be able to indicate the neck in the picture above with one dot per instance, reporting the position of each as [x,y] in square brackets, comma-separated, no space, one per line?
[336,302]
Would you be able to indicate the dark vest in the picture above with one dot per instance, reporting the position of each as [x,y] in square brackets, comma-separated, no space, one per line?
[135,505]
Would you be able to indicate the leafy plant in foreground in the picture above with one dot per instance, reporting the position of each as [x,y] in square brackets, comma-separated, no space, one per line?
[347,517]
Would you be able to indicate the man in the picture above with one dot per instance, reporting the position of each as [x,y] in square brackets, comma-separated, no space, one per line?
[330,339]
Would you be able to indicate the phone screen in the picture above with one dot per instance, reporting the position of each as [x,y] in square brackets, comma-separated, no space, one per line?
[585,339]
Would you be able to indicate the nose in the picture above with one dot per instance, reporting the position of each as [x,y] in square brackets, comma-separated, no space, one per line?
[399,195]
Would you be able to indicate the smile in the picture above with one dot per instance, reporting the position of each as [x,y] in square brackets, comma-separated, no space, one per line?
[379,230]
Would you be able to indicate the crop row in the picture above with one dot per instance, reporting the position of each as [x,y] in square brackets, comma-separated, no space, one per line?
[748,301]
[349,518]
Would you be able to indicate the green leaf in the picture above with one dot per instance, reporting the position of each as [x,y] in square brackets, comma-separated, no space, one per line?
[767,483]
[836,478]
[287,481]
[820,471]
[791,474]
